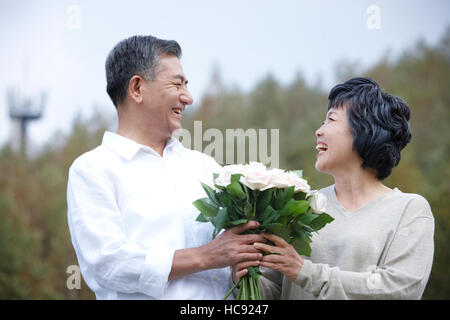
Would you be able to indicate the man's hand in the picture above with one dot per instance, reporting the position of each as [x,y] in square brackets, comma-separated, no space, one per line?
[231,247]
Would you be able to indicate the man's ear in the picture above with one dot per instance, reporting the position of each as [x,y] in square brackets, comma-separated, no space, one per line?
[136,89]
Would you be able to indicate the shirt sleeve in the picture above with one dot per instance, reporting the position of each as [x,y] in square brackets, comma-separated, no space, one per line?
[403,275]
[100,241]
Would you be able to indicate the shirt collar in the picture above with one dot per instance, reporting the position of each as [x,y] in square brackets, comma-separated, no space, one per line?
[128,148]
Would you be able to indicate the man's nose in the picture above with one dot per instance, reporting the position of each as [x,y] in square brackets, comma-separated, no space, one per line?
[186,97]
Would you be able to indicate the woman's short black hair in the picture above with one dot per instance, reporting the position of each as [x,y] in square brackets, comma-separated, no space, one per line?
[378,121]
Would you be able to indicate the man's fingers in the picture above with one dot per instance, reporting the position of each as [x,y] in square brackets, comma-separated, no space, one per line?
[246,264]
[243,257]
[252,238]
[248,248]
[252,224]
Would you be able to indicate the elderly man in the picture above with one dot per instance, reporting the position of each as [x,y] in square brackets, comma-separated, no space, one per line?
[130,209]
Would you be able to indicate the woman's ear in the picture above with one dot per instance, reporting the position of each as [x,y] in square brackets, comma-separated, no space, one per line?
[136,88]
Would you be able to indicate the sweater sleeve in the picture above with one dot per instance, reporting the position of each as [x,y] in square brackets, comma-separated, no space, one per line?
[402,275]
[270,284]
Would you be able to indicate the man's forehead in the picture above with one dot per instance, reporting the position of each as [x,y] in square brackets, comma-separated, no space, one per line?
[170,66]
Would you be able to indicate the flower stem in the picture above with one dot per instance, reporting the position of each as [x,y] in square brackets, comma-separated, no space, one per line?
[231,290]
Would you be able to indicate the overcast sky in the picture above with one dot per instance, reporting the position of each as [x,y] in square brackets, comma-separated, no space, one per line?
[61,46]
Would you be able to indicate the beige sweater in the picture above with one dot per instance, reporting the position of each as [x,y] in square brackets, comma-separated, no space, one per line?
[383,250]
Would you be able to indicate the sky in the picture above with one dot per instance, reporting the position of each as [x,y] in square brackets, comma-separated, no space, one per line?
[60,47]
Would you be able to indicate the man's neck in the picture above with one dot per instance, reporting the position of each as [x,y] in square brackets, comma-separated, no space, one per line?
[143,137]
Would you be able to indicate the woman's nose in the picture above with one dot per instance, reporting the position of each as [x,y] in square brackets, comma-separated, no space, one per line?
[319,132]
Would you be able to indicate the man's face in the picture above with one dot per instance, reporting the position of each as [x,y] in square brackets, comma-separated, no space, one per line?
[166,97]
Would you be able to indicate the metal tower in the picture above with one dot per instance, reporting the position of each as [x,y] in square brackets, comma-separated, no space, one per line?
[23,110]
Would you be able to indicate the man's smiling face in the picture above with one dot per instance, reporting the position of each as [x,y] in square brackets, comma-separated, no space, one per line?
[167,96]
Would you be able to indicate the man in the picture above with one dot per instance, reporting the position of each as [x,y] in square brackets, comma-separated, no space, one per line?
[130,209]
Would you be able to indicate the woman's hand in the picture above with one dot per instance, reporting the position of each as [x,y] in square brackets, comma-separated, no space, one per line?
[286,259]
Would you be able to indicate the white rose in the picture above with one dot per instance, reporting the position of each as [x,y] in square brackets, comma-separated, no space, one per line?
[300,184]
[256,176]
[317,201]
[279,178]
[224,178]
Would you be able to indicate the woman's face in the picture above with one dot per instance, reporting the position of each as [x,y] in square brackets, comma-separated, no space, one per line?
[335,144]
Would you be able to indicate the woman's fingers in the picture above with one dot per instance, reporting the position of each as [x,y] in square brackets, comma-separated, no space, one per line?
[266,247]
[280,242]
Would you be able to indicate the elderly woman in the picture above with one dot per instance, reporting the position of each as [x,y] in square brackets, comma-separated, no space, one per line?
[380,245]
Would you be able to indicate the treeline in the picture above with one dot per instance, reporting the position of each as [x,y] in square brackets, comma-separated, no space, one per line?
[35,246]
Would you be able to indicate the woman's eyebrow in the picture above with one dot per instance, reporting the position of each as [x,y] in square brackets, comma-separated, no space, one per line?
[330,113]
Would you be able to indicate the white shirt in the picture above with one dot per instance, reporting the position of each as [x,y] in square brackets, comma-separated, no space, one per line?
[129,209]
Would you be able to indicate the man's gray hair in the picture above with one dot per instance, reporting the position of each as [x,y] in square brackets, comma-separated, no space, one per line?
[137,55]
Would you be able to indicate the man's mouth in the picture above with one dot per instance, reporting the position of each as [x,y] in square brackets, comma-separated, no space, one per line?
[177,111]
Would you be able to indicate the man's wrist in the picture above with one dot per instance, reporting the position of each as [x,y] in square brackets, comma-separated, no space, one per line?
[201,258]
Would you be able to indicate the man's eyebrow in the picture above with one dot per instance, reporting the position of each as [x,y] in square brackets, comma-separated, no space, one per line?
[182,78]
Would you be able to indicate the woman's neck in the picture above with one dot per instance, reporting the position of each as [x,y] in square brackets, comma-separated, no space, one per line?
[355,190]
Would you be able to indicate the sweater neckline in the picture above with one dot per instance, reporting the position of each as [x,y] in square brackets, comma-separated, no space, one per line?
[364,207]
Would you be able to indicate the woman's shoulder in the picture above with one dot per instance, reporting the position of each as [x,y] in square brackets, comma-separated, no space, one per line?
[327,190]
[415,203]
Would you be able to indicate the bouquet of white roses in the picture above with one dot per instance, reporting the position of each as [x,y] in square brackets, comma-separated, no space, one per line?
[282,202]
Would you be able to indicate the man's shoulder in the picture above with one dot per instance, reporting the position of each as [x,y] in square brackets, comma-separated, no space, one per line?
[95,158]
[199,157]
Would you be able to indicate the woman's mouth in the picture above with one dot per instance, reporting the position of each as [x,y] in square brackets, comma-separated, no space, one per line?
[322,148]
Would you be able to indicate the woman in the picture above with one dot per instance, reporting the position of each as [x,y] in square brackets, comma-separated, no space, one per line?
[380,245]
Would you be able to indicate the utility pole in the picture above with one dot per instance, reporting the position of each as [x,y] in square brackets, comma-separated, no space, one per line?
[24,110]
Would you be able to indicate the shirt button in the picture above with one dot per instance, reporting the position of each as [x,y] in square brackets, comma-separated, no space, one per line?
[215,278]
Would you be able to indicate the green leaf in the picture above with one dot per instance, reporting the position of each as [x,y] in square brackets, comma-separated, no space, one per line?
[305,227]
[235,190]
[300,195]
[307,217]
[266,213]
[294,208]
[321,221]
[210,192]
[235,177]
[264,199]
[282,197]
[274,215]
[205,206]
[240,221]
[273,227]
[202,218]
[288,193]
[302,207]
[248,209]
[302,246]
[221,219]
[289,208]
